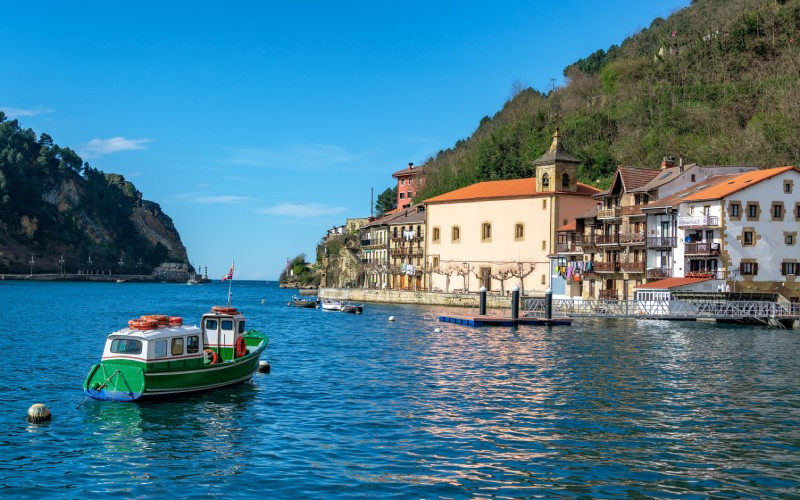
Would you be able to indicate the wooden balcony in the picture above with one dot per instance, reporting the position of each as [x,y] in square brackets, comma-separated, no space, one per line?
[701,249]
[631,238]
[661,242]
[698,221]
[608,213]
[632,267]
[569,247]
[716,274]
[608,294]
[606,267]
[401,251]
[607,239]
[658,274]
[632,210]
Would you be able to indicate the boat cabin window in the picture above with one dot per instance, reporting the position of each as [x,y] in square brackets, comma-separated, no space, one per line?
[211,324]
[160,349]
[177,346]
[126,346]
[227,324]
[241,327]
[192,344]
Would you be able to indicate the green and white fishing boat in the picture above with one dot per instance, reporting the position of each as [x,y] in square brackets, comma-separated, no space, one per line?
[158,356]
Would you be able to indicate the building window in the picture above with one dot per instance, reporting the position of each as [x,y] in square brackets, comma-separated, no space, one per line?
[693,177]
[435,262]
[410,195]
[544,204]
[455,234]
[519,232]
[436,235]
[752,211]
[788,238]
[789,268]
[544,280]
[402,196]
[403,182]
[565,181]
[748,238]
[735,210]
[777,211]
[486,232]
[787,187]
[748,268]
[545,180]
[544,244]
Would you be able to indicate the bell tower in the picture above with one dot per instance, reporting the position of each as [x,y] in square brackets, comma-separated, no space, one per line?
[556,170]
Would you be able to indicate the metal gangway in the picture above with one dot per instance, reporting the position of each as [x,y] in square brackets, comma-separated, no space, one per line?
[771,313]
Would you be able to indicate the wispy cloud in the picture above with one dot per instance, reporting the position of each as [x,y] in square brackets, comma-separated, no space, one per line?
[221,200]
[98,147]
[17,112]
[298,156]
[302,210]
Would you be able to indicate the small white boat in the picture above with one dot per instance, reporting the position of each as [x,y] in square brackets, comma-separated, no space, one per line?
[331,305]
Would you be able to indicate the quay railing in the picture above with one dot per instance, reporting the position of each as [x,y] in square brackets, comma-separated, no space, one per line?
[666,309]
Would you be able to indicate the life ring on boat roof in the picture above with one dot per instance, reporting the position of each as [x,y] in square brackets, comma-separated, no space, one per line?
[240,347]
[142,324]
[210,355]
[225,310]
[160,319]
[175,321]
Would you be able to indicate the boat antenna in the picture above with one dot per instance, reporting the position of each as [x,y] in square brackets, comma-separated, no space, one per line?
[229,277]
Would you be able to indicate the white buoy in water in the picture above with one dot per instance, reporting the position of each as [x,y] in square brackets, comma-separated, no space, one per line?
[391,318]
[262,301]
[437,330]
[263,366]
[38,413]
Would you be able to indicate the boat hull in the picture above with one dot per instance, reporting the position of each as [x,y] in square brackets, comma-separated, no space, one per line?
[123,380]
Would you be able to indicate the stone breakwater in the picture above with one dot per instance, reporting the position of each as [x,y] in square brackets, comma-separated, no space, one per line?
[414,297]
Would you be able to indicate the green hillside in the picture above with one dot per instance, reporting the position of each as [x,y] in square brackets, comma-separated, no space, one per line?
[52,203]
[717,82]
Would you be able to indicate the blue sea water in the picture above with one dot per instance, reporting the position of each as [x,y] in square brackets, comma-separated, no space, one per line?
[359,406]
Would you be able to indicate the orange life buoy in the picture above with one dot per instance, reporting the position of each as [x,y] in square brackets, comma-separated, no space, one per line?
[240,348]
[576,278]
[175,321]
[142,324]
[225,310]
[160,319]
[210,355]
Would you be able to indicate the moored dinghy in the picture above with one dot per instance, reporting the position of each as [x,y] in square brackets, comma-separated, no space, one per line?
[158,355]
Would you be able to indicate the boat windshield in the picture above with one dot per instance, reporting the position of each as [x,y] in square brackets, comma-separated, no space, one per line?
[241,327]
[126,346]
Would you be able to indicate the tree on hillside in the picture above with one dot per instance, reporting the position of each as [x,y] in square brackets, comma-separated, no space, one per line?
[386,201]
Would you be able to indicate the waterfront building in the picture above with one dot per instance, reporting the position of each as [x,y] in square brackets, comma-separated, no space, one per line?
[740,230]
[407,249]
[409,182]
[374,253]
[500,233]
[612,249]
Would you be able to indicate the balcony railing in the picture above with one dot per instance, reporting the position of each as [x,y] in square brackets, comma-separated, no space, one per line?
[607,239]
[702,248]
[632,267]
[407,251]
[698,221]
[716,274]
[608,213]
[632,210]
[658,273]
[608,294]
[569,247]
[606,267]
[661,242]
[632,238]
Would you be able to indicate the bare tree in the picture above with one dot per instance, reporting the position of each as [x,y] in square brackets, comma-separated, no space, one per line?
[501,272]
[521,270]
[463,271]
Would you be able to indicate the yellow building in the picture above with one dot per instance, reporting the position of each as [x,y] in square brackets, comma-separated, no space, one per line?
[499,233]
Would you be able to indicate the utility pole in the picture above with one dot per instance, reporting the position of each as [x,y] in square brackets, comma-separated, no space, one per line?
[371,201]
[552,84]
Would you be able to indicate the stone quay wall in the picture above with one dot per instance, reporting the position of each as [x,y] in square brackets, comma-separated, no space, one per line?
[493,301]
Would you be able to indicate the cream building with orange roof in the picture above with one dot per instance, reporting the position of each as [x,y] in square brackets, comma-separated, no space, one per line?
[499,233]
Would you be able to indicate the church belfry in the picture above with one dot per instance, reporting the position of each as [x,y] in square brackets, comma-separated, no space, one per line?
[556,170]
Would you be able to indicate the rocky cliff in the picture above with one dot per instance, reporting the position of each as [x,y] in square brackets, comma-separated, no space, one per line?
[64,214]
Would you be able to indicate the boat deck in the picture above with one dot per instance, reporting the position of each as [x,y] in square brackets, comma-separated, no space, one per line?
[489,320]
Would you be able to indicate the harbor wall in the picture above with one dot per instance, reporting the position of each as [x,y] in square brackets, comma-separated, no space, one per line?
[493,301]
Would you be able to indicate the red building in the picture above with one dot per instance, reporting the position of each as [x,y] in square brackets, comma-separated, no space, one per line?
[409,182]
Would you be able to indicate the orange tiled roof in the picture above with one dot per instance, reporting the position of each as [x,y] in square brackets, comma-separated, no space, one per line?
[670,283]
[569,226]
[513,188]
[737,183]
[415,170]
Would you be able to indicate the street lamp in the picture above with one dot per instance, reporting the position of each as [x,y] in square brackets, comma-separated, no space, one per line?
[61,264]
[90,264]
[120,263]
[32,262]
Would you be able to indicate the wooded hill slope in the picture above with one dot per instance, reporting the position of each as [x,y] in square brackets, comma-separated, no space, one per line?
[716,83]
[52,203]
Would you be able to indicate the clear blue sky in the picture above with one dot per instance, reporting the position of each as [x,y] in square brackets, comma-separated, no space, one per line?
[259,125]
